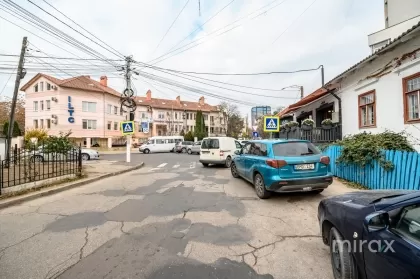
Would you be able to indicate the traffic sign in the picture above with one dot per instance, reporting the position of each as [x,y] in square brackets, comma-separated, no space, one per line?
[271,124]
[255,134]
[127,128]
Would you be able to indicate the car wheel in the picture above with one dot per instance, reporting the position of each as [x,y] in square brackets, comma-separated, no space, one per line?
[85,157]
[205,164]
[37,158]
[234,170]
[146,151]
[189,151]
[259,185]
[228,161]
[341,260]
[184,150]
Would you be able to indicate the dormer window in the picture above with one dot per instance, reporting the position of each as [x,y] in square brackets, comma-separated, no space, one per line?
[36,88]
[48,86]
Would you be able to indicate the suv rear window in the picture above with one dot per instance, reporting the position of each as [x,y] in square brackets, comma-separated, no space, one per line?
[291,149]
[210,144]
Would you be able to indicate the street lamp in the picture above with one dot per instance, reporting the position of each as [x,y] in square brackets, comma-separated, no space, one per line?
[295,86]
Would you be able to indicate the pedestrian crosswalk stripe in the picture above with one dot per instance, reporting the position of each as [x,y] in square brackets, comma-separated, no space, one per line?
[162,165]
[176,166]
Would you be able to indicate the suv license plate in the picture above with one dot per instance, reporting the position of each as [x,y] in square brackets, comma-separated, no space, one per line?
[305,167]
[306,189]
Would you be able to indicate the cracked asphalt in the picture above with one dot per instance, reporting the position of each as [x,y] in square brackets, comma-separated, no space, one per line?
[169,222]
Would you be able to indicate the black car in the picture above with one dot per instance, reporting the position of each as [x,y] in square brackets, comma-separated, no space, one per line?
[372,234]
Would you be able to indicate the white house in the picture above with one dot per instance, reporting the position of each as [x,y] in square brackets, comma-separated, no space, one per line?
[381,92]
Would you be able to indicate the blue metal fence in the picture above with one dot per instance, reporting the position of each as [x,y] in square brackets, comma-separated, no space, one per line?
[404,176]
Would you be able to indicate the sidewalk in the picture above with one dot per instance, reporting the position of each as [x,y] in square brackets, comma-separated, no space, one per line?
[93,170]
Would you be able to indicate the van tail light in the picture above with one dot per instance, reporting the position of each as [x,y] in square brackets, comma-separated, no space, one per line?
[221,153]
[276,163]
[325,160]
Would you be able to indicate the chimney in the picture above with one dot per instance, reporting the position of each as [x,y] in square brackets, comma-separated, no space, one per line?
[201,101]
[149,95]
[104,81]
[178,99]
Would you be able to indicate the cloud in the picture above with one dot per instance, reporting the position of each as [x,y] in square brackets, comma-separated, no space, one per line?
[332,33]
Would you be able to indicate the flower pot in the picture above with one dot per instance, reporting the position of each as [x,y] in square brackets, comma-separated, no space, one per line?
[327,127]
[293,128]
[306,127]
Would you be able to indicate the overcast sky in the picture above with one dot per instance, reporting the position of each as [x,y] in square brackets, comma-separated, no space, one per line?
[286,35]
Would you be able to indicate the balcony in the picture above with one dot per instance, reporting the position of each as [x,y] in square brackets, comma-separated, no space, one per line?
[317,135]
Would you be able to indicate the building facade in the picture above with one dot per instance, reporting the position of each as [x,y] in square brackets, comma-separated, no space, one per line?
[92,111]
[257,112]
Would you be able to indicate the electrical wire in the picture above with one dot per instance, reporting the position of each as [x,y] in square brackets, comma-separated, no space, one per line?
[61,58]
[172,24]
[4,87]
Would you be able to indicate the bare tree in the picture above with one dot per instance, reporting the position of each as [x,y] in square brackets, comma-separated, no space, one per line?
[5,108]
[234,120]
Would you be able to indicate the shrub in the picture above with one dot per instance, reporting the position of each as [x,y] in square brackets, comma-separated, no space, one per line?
[40,134]
[308,122]
[365,148]
[189,136]
[292,124]
[327,121]
[15,132]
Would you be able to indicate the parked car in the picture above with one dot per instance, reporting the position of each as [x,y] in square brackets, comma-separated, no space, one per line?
[372,234]
[194,148]
[218,150]
[282,166]
[183,146]
[42,155]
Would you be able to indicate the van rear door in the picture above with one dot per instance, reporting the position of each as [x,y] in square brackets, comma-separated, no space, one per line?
[210,149]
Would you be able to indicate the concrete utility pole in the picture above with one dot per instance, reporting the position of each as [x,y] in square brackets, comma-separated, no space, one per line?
[301,92]
[322,75]
[21,72]
[128,61]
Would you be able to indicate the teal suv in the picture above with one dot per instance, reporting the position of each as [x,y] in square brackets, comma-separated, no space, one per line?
[282,166]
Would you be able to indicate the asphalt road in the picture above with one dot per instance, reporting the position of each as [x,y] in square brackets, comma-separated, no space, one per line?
[171,219]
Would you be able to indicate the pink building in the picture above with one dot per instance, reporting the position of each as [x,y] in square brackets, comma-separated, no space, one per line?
[89,109]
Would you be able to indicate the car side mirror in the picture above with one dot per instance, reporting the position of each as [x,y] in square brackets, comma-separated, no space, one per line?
[377,221]
[237,152]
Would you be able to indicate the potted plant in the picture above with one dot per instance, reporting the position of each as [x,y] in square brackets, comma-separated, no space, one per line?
[307,124]
[327,124]
[293,125]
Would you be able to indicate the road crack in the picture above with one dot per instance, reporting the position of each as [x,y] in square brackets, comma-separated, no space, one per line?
[84,244]
[122,228]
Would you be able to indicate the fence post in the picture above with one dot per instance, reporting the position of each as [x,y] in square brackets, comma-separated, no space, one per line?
[79,158]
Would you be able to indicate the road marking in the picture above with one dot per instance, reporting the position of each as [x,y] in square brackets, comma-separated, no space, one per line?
[176,166]
[162,165]
[192,165]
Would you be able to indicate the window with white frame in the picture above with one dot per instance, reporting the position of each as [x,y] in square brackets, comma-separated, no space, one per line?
[36,124]
[161,115]
[88,124]
[115,126]
[88,106]
[36,88]
[48,103]
[367,110]
[48,86]
[41,103]
[109,109]
[41,123]
[41,86]
[412,98]
[48,123]
[115,110]
[109,125]
[35,105]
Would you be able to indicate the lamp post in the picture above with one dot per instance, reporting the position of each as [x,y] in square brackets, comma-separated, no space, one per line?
[295,86]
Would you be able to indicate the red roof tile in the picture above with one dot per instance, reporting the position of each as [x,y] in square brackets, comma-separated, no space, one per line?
[174,104]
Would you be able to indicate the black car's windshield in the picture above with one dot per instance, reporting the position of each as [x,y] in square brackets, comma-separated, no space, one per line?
[210,144]
[292,149]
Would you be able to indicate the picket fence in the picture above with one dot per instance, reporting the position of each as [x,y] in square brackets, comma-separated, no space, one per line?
[404,176]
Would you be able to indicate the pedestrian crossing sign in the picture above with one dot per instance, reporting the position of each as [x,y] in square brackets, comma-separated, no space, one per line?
[271,124]
[127,128]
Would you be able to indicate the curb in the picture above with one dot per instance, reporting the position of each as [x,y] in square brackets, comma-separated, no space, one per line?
[58,189]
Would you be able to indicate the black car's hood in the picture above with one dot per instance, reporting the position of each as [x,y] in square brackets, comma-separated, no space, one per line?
[365,198]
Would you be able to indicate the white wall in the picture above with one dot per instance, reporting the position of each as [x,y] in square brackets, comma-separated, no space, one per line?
[401,10]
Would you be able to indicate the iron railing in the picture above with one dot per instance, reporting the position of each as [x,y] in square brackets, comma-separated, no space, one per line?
[39,163]
[315,135]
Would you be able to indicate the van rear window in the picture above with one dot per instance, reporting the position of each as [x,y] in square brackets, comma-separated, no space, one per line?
[210,144]
[291,149]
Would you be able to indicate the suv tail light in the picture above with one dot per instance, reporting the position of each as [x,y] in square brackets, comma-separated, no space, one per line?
[276,163]
[325,160]
[221,153]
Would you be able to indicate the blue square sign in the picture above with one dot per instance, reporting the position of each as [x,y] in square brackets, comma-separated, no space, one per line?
[271,124]
[255,134]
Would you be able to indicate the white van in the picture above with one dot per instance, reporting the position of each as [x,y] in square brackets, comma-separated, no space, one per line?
[160,144]
[218,150]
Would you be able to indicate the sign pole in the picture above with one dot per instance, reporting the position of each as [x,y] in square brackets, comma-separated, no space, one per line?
[128,159]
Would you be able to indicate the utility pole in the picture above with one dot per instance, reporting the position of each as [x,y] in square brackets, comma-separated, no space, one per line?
[301,92]
[21,72]
[128,61]
[322,75]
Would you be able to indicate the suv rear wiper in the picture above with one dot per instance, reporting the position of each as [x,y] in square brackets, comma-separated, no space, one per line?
[308,153]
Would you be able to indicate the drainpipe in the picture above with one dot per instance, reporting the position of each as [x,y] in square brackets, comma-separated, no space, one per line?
[335,96]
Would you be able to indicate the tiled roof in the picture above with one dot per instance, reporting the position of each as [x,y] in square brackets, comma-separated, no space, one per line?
[80,82]
[174,104]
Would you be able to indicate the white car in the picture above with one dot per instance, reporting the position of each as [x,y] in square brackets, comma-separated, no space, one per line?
[218,150]
[40,155]
[194,148]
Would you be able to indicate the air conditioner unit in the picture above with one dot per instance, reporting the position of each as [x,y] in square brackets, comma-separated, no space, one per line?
[53,116]
[54,87]
[54,121]
[54,99]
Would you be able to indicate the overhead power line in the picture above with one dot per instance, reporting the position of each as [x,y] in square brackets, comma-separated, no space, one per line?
[5,85]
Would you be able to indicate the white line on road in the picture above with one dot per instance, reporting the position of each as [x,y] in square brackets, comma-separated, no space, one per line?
[175,166]
[162,165]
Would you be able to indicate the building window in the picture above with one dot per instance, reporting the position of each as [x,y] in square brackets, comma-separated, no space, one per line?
[109,125]
[367,110]
[48,123]
[211,130]
[41,103]
[36,88]
[88,106]
[161,115]
[115,126]
[115,110]
[89,124]
[48,86]
[109,109]
[36,124]
[41,86]
[176,128]
[411,87]
[195,115]
[143,115]
[42,123]
[36,106]
[176,115]
[206,116]
[48,103]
